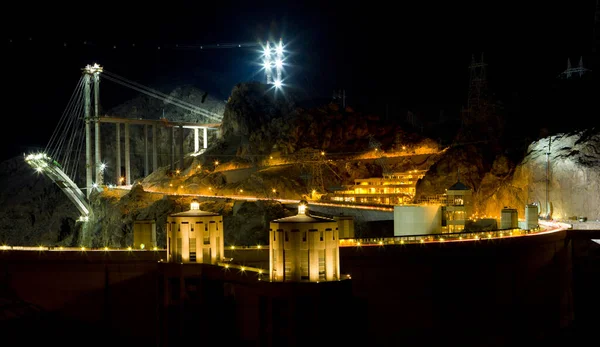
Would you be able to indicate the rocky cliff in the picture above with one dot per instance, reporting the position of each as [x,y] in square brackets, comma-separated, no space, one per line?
[271,148]
[566,168]
[33,210]
[570,175]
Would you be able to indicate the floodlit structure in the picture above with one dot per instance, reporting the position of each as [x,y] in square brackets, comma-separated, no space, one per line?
[144,234]
[304,248]
[345,226]
[391,189]
[509,218]
[459,206]
[417,219]
[195,236]
[91,73]
[531,216]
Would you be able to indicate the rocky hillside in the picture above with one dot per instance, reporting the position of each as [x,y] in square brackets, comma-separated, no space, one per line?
[33,210]
[147,107]
[497,182]
[271,148]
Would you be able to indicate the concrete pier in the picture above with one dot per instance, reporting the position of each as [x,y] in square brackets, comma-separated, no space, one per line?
[127,156]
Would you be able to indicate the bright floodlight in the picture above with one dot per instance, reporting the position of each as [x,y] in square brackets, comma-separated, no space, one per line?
[279,63]
[102,166]
[277,84]
[267,65]
[279,49]
[301,209]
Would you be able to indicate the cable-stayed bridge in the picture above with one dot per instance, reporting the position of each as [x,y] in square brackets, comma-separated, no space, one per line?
[60,161]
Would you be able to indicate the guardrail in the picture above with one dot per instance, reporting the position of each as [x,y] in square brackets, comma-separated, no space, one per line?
[437,238]
[77,249]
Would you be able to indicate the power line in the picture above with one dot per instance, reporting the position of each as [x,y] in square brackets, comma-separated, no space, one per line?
[41,42]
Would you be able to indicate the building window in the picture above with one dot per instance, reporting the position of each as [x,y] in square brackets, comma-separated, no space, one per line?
[321,235]
[206,238]
[275,235]
[304,236]
[286,237]
[321,264]
[287,264]
[193,250]
[179,249]
[304,265]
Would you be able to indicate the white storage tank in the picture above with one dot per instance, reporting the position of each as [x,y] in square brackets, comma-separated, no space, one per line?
[417,219]
[531,216]
[508,218]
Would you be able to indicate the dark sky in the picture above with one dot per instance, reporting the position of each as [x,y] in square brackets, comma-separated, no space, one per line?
[403,53]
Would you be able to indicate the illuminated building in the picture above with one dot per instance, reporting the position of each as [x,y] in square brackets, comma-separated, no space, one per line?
[531,216]
[509,218]
[144,234]
[391,189]
[345,226]
[417,219]
[195,236]
[304,248]
[459,206]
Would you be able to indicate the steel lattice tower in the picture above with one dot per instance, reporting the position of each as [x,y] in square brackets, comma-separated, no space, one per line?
[477,85]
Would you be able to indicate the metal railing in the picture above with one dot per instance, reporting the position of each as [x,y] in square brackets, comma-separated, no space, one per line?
[437,238]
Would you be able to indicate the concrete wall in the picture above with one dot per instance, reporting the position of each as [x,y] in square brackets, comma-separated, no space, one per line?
[417,220]
[499,292]
[358,213]
[510,291]
[96,297]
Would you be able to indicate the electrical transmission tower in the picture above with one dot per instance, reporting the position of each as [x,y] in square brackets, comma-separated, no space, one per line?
[381,160]
[570,71]
[477,120]
[477,86]
[312,164]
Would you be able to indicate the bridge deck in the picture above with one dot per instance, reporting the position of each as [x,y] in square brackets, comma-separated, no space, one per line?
[163,122]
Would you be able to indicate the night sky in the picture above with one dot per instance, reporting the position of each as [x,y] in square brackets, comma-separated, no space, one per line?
[403,54]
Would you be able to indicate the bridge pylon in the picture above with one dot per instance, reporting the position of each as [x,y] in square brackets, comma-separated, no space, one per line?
[92,75]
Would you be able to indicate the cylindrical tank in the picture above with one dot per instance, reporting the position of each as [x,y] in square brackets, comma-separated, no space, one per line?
[508,218]
[531,216]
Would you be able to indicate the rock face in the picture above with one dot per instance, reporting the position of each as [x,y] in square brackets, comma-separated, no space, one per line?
[251,106]
[571,173]
[257,126]
[573,180]
[152,108]
[244,222]
[33,210]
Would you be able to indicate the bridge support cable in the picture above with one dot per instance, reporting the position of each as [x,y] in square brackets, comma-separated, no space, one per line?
[63,146]
[162,96]
[169,99]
